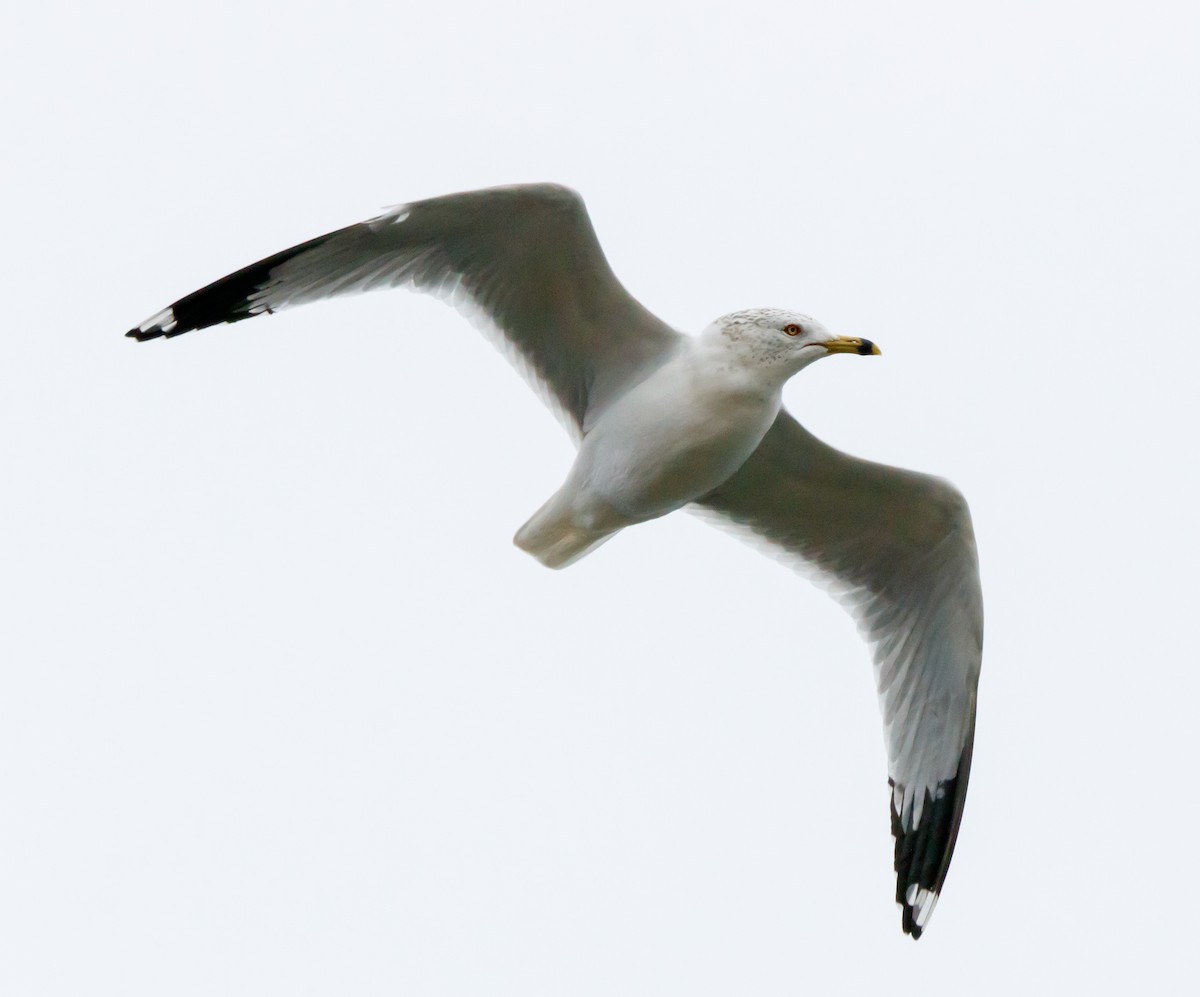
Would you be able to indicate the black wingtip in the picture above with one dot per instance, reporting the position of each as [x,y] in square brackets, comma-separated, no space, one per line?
[909,924]
[141,336]
[231,299]
[923,852]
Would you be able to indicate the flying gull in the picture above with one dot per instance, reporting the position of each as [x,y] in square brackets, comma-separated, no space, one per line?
[664,421]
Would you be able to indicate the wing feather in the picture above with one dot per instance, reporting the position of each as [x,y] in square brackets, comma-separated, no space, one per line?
[521,262]
[897,547]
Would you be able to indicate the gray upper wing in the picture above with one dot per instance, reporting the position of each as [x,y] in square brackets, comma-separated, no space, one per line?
[523,262]
[898,549]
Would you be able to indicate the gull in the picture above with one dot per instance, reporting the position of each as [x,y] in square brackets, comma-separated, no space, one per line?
[664,421]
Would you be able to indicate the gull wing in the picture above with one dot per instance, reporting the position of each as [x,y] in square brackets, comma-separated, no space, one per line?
[898,549]
[521,262]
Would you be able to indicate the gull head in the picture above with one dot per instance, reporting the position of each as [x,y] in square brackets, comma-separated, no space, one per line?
[779,339]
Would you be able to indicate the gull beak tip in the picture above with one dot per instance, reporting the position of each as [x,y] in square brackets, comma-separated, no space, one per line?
[848,344]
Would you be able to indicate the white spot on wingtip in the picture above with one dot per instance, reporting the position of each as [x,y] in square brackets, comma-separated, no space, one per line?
[394,215]
[926,901]
[922,902]
[163,321]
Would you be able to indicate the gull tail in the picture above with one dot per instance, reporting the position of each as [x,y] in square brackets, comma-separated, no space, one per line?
[555,537]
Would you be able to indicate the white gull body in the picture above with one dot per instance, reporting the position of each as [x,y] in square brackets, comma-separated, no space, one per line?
[664,421]
[678,434]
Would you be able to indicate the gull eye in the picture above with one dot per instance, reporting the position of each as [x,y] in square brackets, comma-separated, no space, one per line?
[792,329]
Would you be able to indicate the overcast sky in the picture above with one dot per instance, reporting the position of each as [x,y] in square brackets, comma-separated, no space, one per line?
[283,711]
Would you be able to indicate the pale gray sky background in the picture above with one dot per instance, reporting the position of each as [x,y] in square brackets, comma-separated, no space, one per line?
[282,711]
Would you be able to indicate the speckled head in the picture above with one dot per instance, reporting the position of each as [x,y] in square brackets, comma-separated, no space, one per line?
[780,338]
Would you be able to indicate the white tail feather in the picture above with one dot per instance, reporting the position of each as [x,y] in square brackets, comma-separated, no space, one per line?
[554,537]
